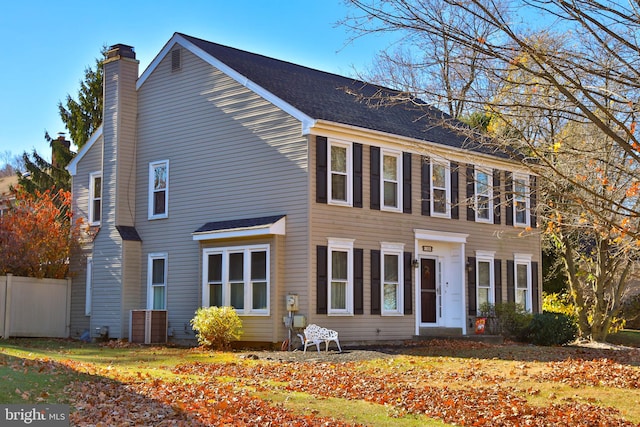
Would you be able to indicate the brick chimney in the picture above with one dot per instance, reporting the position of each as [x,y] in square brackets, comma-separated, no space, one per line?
[59,146]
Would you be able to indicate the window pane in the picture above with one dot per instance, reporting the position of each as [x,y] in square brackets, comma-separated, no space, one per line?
[259,295]
[482,209]
[483,297]
[215,295]
[158,298]
[390,167]
[97,187]
[159,202]
[258,265]
[339,265]
[439,176]
[339,295]
[157,274]
[520,188]
[215,268]
[482,183]
[96,210]
[390,194]
[160,177]
[484,274]
[522,271]
[521,213]
[521,298]
[440,201]
[338,187]
[390,296]
[338,159]
[236,266]
[391,268]
[237,296]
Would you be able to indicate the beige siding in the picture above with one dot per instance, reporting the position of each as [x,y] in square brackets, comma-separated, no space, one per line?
[231,155]
[371,227]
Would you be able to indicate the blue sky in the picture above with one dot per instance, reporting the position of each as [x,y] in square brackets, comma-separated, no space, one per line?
[49,44]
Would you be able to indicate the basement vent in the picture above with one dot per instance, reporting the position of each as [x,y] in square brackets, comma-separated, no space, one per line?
[176,60]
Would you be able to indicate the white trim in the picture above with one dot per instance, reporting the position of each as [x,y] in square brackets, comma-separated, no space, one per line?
[440,236]
[150,258]
[396,249]
[447,187]
[398,180]
[489,174]
[151,190]
[489,258]
[92,198]
[277,228]
[88,287]
[247,282]
[307,122]
[348,146]
[72,167]
[523,259]
[527,199]
[340,245]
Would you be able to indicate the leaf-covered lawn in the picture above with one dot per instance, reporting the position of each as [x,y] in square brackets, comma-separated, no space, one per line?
[440,384]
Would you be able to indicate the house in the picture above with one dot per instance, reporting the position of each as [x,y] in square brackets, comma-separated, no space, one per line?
[223,177]
[6,196]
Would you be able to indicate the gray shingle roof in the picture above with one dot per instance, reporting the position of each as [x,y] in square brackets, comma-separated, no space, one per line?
[236,224]
[325,96]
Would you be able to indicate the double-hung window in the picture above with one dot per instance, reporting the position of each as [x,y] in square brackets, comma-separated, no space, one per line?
[485,279]
[159,189]
[391,179]
[440,189]
[340,275]
[484,195]
[238,277]
[157,281]
[95,198]
[392,278]
[521,200]
[522,275]
[340,173]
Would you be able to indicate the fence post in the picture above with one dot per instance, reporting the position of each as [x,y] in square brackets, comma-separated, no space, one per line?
[67,329]
[7,307]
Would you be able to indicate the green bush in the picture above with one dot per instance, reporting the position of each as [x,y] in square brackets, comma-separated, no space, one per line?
[217,326]
[548,328]
[513,321]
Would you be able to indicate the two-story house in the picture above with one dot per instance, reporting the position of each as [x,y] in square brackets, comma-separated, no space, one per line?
[223,177]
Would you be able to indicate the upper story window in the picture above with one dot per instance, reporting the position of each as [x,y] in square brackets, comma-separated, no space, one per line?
[485,279]
[392,278]
[484,195]
[159,189]
[440,189]
[95,198]
[521,200]
[157,282]
[340,274]
[238,277]
[391,179]
[340,173]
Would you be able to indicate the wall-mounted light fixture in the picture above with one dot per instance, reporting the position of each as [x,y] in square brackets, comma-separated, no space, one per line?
[415,263]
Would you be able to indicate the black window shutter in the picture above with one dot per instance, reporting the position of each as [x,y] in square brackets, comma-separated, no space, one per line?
[455,192]
[508,190]
[406,182]
[535,288]
[321,169]
[375,281]
[471,285]
[471,190]
[322,282]
[533,200]
[497,276]
[511,290]
[408,283]
[375,178]
[357,175]
[425,178]
[496,197]
[358,281]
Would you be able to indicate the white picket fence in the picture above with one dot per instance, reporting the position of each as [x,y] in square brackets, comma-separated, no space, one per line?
[34,307]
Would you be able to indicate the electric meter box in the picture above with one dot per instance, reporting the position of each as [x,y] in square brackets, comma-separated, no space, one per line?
[291,302]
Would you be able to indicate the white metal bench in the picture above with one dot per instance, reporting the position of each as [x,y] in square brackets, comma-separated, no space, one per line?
[314,335]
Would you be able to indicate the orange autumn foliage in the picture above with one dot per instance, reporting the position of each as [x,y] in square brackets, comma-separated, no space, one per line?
[37,235]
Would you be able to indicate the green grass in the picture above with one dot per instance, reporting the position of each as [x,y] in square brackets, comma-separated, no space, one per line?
[38,370]
[628,337]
